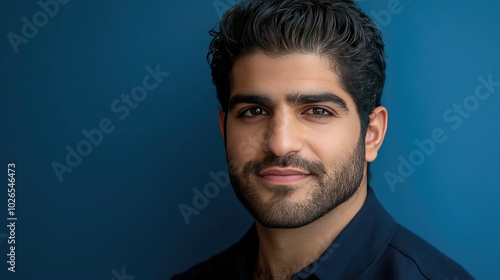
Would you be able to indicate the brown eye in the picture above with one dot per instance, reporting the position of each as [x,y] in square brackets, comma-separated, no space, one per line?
[318,111]
[254,111]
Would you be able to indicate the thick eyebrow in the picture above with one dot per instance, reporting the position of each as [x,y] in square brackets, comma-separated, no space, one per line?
[248,99]
[292,99]
[310,98]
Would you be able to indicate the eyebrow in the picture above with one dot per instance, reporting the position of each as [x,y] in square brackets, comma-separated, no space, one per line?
[309,98]
[254,98]
[292,99]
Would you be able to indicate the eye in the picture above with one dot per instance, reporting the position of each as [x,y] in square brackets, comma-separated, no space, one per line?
[319,112]
[252,112]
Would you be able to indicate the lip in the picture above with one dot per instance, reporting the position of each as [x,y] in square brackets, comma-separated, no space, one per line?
[283,175]
[282,172]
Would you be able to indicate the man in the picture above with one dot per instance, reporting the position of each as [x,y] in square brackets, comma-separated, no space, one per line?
[300,84]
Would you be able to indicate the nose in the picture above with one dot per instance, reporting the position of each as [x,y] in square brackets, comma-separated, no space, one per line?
[283,135]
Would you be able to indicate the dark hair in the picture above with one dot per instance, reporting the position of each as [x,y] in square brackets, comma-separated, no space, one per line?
[335,29]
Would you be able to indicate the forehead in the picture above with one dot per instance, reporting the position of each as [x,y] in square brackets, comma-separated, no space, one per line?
[278,76]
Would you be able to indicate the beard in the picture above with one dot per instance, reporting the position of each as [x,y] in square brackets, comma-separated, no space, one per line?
[330,188]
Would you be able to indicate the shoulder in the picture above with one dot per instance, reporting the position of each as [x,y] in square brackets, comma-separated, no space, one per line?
[409,256]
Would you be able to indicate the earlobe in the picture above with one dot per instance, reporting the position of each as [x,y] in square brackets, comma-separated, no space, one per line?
[375,132]
[222,118]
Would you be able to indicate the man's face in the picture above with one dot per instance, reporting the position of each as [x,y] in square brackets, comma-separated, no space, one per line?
[293,140]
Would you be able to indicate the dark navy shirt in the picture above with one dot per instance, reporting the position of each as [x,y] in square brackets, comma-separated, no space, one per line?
[371,246]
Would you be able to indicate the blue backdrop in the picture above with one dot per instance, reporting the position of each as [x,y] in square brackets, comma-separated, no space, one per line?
[110,117]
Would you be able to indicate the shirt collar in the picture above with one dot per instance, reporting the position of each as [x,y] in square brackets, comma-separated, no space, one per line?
[358,245]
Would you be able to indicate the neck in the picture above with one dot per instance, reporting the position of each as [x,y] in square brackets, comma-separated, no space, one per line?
[283,252]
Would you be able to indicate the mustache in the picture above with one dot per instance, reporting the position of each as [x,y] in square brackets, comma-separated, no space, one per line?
[295,161]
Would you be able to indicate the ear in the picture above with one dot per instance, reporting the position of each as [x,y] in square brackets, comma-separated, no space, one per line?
[375,132]
[222,117]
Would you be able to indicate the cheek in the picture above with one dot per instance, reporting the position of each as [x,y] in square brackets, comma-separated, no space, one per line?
[240,147]
[245,144]
[334,143]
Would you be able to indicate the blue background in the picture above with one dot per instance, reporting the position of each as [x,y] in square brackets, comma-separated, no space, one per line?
[119,207]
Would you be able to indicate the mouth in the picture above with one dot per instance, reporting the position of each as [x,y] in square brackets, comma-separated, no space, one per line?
[280,176]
